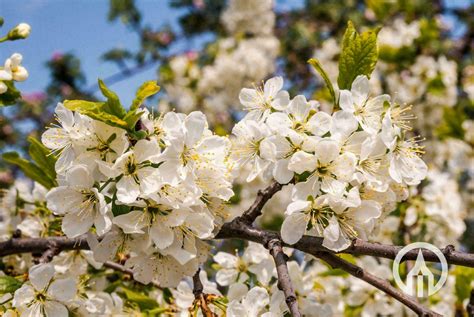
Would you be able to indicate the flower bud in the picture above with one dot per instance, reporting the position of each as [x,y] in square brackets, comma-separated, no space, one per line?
[21,31]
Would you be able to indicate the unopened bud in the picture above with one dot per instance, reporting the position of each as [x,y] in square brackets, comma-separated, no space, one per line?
[21,31]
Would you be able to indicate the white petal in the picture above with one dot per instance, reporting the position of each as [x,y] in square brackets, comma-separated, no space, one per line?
[273,86]
[301,162]
[75,224]
[102,223]
[65,116]
[299,108]
[326,151]
[281,100]
[195,124]
[62,290]
[236,309]
[23,296]
[40,275]
[61,200]
[297,206]
[79,176]
[132,222]
[225,259]
[320,123]
[333,239]
[161,235]
[55,309]
[343,124]
[360,89]
[294,227]
[65,159]
[226,276]
[55,138]
[201,224]
[127,190]
[278,122]
[147,150]
[237,291]
[344,166]
[345,101]
[256,300]
[281,173]
[248,97]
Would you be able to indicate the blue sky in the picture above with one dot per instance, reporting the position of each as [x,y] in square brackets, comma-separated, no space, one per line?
[81,27]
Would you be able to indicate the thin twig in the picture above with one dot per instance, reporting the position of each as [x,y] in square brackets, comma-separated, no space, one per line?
[381,284]
[50,252]
[239,230]
[40,245]
[284,280]
[122,269]
[200,298]
[263,196]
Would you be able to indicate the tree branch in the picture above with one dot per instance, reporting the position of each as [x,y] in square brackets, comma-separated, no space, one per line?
[381,284]
[263,196]
[51,251]
[284,280]
[239,230]
[200,299]
[40,245]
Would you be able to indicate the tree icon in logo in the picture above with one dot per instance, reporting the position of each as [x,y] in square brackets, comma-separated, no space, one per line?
[420,280]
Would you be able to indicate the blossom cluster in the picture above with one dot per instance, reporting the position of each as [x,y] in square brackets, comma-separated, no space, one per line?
[352,166]
[156,197]
[246,54]
[152,197]
[12,70]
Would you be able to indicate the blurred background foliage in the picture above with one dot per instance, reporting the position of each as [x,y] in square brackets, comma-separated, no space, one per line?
[301,29]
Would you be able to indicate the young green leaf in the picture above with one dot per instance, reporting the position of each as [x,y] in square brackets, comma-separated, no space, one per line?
[43,157]
[464,276]
[146,90]
[30,169]
[143,301]
[96,111]
[132,118]
[11,96]
[318,67]
[112,105]
[8,284]
[358,55]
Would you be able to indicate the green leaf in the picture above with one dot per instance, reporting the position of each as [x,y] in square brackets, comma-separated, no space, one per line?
[358,55]
[95,110]
[334,272]
[8,284]
[30,169]
[43,157]
[132,118]
[11,96]
[318,67]
[143,301]
[464,276]
[112,106]
[146,90]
